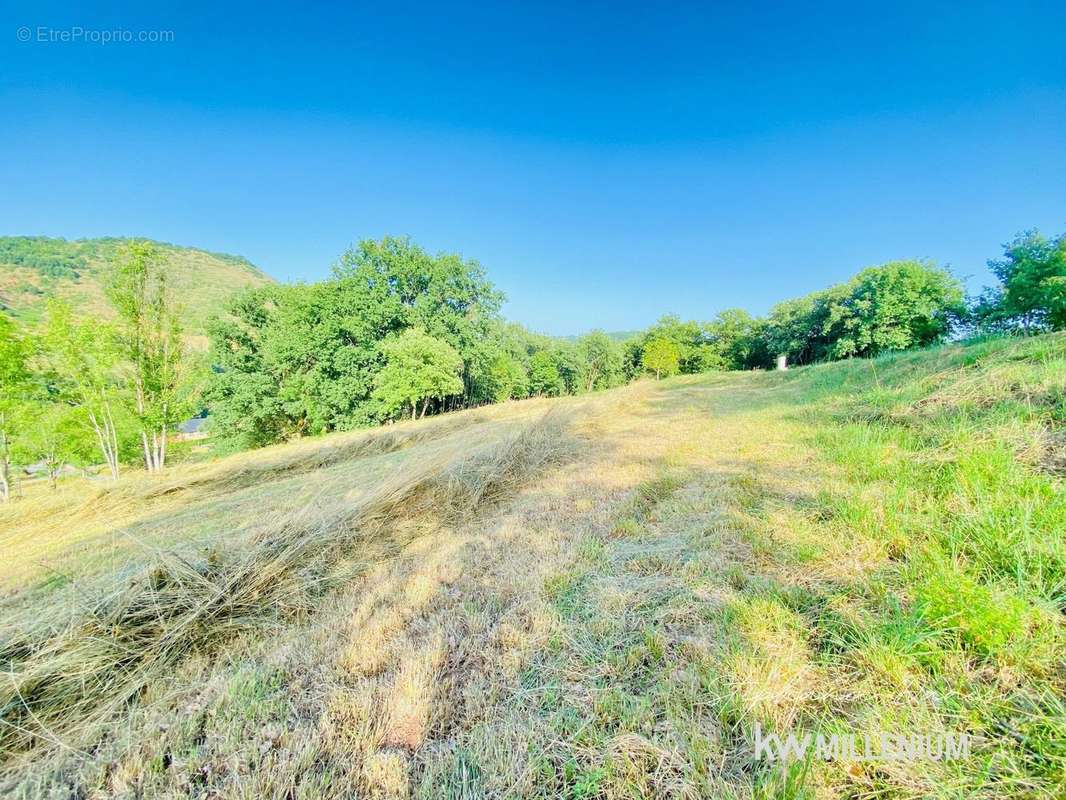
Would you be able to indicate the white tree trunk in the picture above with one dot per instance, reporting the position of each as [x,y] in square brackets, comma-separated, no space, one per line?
[5,465]
[107,439]
[155,450]
[112,461]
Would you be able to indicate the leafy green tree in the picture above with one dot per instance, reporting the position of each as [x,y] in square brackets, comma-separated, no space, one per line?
[736,339]
[418,368]
[892,307]
[82,365]
[544,376]
[243,393]
[632,357]
[150,335]
[568,361]
[794,327]
[662,357]
[448,297]
[690,338]
[15,385]
[57,438]
[1033,277]
[601,361]
[508,378]
[305,359]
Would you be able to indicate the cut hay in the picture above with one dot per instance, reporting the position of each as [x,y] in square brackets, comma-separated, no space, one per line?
[66,678]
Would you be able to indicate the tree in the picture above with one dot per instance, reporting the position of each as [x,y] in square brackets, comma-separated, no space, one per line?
[1033,277]
[792,328]
[633,357]
[418,369]
[15,378]
[735,336]
[150,336]
[601,361]
[508,378]
[544,376]
[303,359]
[445,295]
[892,307]
[57,438]
[568,362]
[662,357]
[690,338]
[81,360]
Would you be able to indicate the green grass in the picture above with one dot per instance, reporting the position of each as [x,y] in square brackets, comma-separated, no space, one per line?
[855,547]
[933,473]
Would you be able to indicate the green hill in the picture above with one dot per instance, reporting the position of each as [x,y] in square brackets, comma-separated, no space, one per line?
[36,268]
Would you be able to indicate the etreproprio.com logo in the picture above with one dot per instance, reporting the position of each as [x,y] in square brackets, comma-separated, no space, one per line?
[76,34]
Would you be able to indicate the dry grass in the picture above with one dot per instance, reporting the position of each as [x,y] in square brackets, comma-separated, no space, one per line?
[69,675]
[56,537]
[612,621]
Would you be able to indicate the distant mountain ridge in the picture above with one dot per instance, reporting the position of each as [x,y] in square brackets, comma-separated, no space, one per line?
[617,336]
[36,268]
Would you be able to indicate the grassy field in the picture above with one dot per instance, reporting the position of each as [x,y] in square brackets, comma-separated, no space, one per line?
[594,597]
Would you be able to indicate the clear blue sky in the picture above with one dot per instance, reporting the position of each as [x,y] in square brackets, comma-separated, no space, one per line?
[607,163]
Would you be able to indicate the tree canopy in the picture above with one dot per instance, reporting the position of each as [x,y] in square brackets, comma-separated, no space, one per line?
[1032,295]
[418,368]
[662,357]
[892,307]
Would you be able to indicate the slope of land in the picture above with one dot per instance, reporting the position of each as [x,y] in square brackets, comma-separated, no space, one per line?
[33,269]
[595,597]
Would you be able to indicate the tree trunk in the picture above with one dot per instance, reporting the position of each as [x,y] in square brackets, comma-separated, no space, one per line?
[414,410]
[425,407]
[5,466]
[155,450]
[112,461]
[107,438]
[146,451]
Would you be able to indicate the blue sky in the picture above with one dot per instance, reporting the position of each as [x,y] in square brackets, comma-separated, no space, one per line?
[606,162]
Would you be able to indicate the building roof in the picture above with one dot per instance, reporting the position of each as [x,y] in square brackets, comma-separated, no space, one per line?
[194,425]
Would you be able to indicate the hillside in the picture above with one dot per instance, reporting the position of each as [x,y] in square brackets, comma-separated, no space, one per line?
[601,596]
[33,269]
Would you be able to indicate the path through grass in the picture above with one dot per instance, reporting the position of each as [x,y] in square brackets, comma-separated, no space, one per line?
[853,548]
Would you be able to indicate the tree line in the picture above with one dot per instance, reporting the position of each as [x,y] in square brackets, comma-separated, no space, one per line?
[84,391]
[396,332]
